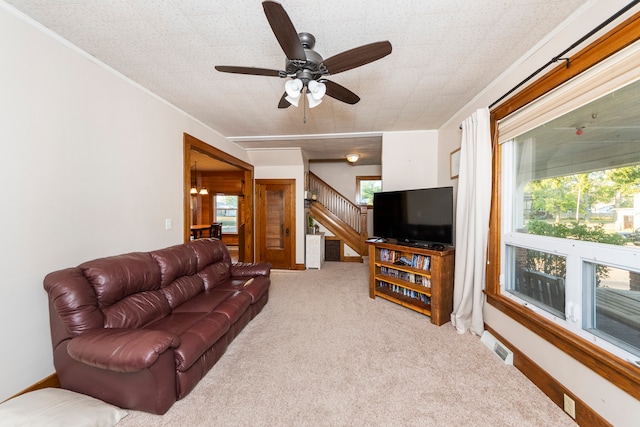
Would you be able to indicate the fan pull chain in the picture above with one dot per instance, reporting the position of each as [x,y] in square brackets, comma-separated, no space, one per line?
[305,107]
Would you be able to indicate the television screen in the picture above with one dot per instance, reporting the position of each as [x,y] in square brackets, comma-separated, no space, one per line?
[414,216]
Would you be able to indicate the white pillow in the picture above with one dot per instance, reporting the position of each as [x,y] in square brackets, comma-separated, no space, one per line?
[58,407]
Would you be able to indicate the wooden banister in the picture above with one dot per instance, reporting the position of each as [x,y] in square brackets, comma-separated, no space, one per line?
[338,214]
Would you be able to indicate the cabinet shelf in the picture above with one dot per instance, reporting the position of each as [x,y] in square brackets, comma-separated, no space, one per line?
[425,290]
[406,268]
[404,301]
[425,286]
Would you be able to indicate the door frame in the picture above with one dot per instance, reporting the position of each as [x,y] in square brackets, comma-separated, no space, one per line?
[292,218]
[191,143]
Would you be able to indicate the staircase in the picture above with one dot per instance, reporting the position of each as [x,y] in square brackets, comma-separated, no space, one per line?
[336,213]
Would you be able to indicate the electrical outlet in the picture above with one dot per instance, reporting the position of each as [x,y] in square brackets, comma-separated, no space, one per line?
[570,406]
[167,223]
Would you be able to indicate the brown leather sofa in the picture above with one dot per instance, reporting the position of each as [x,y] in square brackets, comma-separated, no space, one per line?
[140,330]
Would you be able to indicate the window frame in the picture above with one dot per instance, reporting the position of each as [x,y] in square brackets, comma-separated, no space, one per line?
[359,179]
[615,369]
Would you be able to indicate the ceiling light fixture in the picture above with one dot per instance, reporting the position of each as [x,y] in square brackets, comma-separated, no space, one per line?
[194,188]
[294,90]
[352,158]
[314,89]
[315,92]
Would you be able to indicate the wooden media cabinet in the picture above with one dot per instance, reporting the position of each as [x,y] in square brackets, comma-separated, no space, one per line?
[415,277]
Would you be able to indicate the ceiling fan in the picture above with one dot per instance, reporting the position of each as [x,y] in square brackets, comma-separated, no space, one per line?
[304,67]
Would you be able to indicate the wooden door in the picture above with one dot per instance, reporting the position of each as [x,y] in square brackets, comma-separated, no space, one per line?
[275,222]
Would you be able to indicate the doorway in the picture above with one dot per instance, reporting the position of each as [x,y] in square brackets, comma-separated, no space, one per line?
[225,174]
[275,222]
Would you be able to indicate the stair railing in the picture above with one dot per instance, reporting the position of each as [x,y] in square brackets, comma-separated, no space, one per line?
[351,214]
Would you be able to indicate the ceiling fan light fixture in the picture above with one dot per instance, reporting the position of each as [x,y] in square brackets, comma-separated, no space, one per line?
[352,158]
[294,90]
[313,102]
[316,89]
[292,101]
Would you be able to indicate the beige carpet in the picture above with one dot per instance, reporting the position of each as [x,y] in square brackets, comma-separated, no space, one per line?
[322,353]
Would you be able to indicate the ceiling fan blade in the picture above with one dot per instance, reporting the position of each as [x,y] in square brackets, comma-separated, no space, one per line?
[250,70]
[341,93]
[283,102]
[284,30]
[357,56]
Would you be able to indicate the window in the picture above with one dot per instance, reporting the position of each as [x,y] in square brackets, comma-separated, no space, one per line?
[365,187]
[226,212]
[564,238]
[575,185]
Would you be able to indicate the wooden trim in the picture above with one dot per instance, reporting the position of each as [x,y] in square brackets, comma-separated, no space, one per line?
[613,41]
[192,143]
[619,372]
[585,415]
[50,381]
[495,220]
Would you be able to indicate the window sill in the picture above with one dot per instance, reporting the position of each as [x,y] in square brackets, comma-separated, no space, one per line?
[620,372]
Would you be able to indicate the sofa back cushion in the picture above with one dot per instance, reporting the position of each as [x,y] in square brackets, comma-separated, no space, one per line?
[214,261]
[175,261]
[182,289]
[127,289]
[137,310]
[178,266]
[114,278]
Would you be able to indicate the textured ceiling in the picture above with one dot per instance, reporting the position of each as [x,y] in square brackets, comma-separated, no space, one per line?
[444,53]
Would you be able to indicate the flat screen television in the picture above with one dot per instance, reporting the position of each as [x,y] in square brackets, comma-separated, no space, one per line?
[423,216]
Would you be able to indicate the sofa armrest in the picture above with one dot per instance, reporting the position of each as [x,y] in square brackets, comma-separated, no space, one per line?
[121,350]
[240,269]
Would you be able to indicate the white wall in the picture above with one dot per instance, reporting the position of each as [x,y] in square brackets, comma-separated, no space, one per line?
[410,160]
[285,164]
[618,407]
[90,166]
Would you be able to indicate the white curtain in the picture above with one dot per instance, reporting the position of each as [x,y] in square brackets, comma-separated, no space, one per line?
[472,223]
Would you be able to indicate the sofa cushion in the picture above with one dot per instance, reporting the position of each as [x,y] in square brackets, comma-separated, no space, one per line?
[114,278]
[177,323]
[255,286]
[182,289]
[234,306]
[136,310]
[205,302]
[198,338]
[175,261]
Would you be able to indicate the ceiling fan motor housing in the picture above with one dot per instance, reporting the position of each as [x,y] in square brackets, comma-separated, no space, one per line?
[312,68]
